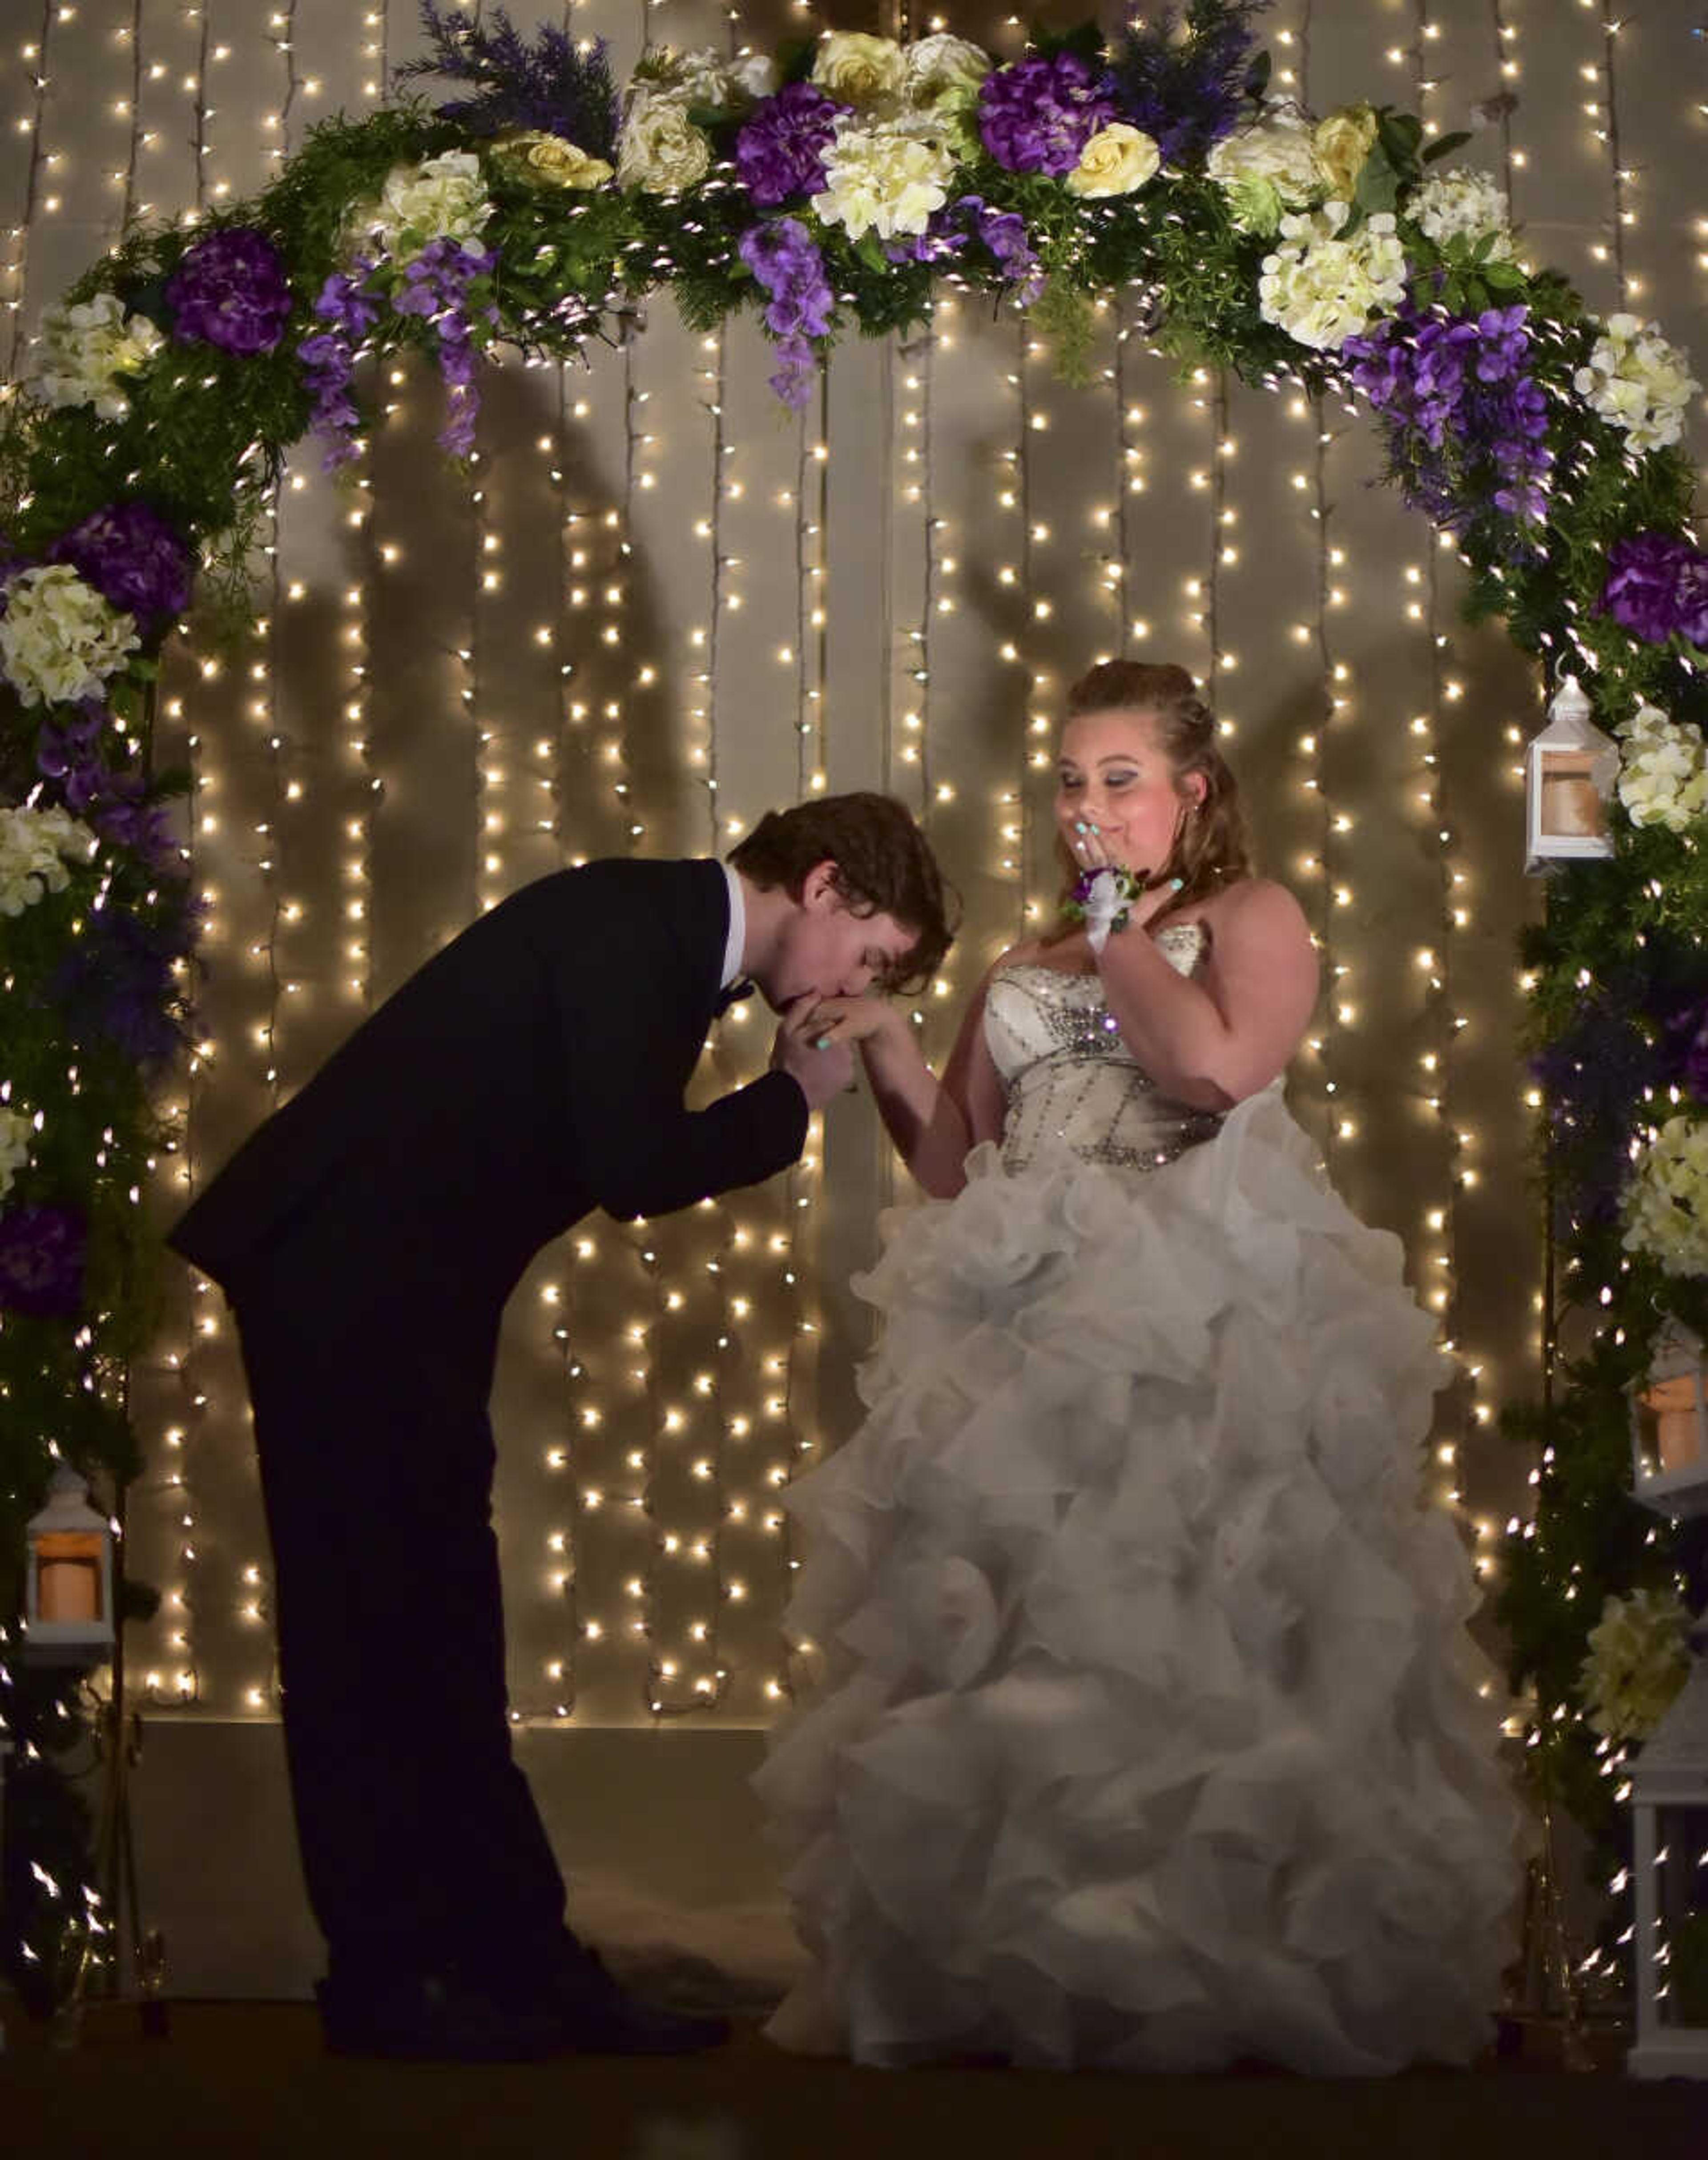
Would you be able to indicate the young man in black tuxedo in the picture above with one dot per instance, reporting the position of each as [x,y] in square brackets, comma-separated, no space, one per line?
[368,1237]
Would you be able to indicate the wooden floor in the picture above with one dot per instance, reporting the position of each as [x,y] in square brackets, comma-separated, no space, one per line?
[248,2080]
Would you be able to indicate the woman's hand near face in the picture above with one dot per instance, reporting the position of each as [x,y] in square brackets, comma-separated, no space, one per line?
[1090,852]
[850,1020]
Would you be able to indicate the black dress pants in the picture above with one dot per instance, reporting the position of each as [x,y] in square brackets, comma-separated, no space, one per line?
[420,1839]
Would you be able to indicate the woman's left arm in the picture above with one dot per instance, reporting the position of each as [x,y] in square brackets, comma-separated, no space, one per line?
[1213,1038]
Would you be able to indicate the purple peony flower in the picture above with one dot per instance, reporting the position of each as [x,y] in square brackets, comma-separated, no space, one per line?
[786,262]
[42,1255]
[1657,584]
[780,151]
[133,559]
[230,290]
[1036,115]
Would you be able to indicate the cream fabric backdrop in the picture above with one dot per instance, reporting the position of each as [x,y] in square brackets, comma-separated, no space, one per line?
[663,605]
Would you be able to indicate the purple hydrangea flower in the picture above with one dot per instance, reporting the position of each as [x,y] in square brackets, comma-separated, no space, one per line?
[780,151]
[116,982]
[117,804]
[1657,584]
[1465,419]
[785,260]
[42,1255]
[133,559]
[1037,114]
[230,290]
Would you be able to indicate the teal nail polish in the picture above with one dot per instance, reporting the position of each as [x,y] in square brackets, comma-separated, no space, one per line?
[1174,883]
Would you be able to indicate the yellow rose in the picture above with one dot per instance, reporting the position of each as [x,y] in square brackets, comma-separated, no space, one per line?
[1117,160]
[1342,143]
[549,161]
[863,70]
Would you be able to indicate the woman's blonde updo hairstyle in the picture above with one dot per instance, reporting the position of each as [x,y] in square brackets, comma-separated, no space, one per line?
[1212,848]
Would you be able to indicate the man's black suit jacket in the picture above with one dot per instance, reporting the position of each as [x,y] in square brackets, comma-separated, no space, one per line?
[531,1072]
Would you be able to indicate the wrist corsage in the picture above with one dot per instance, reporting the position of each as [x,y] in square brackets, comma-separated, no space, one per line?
[1103,901]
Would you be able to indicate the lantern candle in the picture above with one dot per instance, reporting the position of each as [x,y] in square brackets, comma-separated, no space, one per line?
[68,1585]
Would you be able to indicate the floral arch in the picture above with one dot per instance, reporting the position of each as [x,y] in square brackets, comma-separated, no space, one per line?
[835,188]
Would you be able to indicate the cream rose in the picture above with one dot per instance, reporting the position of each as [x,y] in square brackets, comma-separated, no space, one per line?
[943,69]
[1267,169]
[866,71]
[1342,143]
[547,161]
[659,150]
[1116,160]
[440,199]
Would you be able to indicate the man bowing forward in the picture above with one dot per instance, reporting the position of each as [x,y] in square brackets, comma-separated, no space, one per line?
[368,1236]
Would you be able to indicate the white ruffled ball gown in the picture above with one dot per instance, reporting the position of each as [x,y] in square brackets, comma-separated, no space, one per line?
[1149,1733]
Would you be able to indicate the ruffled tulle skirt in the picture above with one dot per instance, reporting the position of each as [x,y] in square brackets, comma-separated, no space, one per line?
[1146,1732]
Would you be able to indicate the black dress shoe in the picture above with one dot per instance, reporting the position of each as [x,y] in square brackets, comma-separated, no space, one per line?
[432,2018]
[597,2017]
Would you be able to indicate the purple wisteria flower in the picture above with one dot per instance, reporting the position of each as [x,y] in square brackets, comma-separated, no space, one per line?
[785,260]
[329,356]
[1037,114]
[1466,422]
[1657,584]
[133,559]
[42,1255]
[436,287]
[780,151]
[230,290]
[1001,232]
[115,803]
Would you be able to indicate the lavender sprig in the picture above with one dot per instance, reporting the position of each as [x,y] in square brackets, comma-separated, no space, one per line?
[1187,91]
[549,85]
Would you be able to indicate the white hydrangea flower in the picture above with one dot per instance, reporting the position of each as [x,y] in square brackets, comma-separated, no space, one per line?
[1267,169]
[440,199]
[86,349]
[944,68]
[1663,770]
[1639,382]
[659,149]
[1463,204]
[59,639]
[35,846]
[755,75]
[1666,1203]
[882,181]
[864,71]
[1321,289]
[1637,1662]
[16,1127]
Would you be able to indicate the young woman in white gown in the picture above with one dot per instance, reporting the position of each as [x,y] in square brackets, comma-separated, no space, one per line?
[1148,1733]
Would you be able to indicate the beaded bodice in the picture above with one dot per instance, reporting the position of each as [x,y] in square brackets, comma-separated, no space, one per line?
[1069,1077]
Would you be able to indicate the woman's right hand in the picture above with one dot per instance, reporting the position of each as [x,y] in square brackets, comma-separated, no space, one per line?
[850,1020]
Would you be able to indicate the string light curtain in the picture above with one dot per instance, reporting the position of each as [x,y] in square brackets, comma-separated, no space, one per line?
[658,604]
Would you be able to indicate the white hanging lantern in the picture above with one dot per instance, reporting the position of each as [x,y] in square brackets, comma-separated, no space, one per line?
[68,1583]
[1670,1425]
[1670,1778]
[1570,771]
